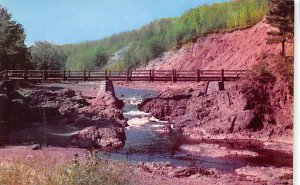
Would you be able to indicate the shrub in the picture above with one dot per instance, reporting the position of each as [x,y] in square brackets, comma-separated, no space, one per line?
[39,172]
[256,88]
[89,174]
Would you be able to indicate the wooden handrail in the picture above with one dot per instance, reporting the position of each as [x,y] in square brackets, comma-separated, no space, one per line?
[128,75]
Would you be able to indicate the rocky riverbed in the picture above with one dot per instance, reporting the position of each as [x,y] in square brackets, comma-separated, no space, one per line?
[67,115]
[76,115]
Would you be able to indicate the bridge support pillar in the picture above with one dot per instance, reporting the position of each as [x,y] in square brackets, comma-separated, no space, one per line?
[214,86]
[106,86]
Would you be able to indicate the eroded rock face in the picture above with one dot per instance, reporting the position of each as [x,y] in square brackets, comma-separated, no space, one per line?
[166,107]
[65,103]
[97,136]
[219,112]
[218,115]
[232,50]
[99,119]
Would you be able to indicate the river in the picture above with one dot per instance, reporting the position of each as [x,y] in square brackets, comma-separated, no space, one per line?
[144,144]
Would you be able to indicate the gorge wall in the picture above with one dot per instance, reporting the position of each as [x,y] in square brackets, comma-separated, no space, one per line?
[230,50]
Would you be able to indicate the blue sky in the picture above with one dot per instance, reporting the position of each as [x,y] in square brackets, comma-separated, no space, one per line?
[74,21]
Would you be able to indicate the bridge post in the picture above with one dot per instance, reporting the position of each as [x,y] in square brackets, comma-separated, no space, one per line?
[173,79]
[6,74]
[152,76]
[64,75]
[150,73]
[69,73]
[198,75]
[173,75]
[222,75]
[44,74]
[84,75]
[105,75]
[89,74]
[127,75]
[24,74]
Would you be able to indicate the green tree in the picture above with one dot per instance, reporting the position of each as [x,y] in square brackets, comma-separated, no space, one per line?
[100,59]
[281,16]
[13,51]
[47,56]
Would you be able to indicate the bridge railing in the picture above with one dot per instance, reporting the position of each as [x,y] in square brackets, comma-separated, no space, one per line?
[129,75]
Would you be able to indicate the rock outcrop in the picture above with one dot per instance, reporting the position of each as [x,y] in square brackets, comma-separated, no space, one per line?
[95,121]
[165,107]
[99,119]
[75,107]
[218,115]
[99,136]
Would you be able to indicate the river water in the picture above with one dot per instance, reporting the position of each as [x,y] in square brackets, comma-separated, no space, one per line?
[144,144]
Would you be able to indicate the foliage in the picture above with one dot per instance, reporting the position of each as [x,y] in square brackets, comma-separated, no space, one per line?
[13,51]
[47,56]
[257,89]
[90,173]
[259,79]
[161,35]
[281,16]
[33,171]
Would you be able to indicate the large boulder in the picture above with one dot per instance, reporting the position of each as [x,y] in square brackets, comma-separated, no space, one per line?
[165,107]
[99,137]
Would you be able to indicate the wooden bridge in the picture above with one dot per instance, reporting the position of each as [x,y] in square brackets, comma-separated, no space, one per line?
[150,75]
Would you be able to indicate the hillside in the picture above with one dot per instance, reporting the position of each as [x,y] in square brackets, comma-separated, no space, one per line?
[135,48]
[231,50]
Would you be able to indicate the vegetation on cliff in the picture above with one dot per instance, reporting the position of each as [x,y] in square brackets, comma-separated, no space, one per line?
[281,16]
[161,35]
[270,86]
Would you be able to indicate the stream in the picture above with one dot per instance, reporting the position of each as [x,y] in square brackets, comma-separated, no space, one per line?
[144,144]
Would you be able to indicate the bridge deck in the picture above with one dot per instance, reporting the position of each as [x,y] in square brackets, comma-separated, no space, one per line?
[150,75]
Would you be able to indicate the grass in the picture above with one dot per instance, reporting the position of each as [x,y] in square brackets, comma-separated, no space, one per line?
[37,172]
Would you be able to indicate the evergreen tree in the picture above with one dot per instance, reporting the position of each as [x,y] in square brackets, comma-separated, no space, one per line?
[281,16]
[13,51]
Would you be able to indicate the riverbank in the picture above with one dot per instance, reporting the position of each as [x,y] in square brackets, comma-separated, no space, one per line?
[74,166]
